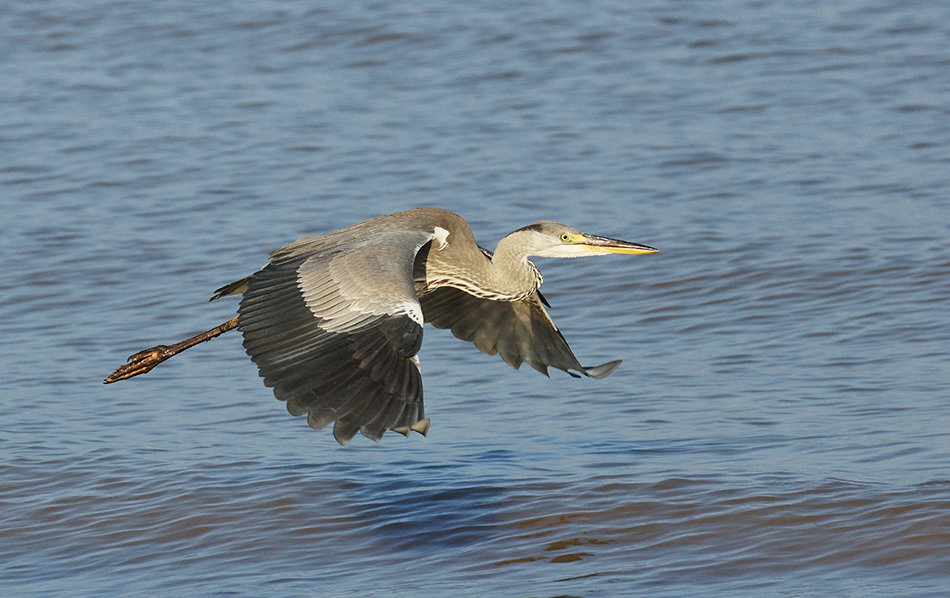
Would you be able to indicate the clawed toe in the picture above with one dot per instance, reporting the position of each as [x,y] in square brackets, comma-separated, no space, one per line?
[140,363]
[149,354]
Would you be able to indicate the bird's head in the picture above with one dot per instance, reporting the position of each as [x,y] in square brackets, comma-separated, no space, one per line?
[553,239]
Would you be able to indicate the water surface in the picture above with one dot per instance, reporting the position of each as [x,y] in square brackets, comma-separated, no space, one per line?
[779,425]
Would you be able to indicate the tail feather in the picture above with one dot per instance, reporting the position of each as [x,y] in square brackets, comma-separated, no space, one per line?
[234,288]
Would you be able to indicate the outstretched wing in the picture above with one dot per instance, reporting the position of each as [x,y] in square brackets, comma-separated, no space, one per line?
[336,333]
[518,331]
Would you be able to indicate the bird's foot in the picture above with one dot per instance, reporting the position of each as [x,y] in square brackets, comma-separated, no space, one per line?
[140,363]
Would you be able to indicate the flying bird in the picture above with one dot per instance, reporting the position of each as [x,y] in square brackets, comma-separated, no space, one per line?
[334,321]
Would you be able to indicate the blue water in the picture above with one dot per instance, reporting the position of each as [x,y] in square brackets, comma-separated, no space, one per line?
[780,425]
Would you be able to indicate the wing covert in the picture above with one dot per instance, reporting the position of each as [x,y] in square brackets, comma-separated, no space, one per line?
[335,334]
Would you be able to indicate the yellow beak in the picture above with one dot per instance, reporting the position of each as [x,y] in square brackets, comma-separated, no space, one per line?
[601,245]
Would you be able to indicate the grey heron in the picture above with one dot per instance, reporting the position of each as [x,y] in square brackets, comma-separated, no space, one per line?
[334,321]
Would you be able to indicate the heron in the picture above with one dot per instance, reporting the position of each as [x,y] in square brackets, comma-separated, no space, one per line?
[334,322]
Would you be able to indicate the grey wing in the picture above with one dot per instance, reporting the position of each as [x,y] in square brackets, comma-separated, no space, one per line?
[336,334]
[294,252]
[518,331]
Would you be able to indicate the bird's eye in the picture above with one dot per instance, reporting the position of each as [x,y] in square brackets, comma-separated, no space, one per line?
[565,237]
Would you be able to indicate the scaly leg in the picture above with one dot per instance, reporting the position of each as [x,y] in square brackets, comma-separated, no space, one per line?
[144,361]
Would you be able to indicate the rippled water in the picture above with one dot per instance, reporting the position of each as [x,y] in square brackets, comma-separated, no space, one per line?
[780,423]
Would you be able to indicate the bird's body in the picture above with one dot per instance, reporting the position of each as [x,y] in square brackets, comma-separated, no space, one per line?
[334,322]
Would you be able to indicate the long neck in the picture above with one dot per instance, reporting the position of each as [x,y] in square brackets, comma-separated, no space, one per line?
[511,271]
[508,276]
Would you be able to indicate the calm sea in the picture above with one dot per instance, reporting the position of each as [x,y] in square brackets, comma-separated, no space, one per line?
[780,425]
